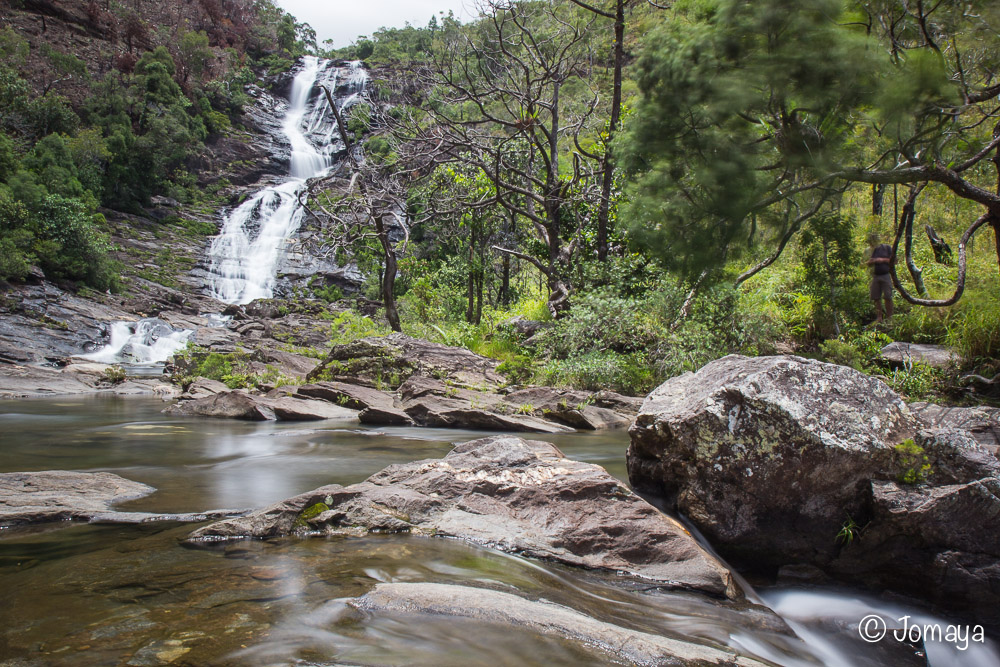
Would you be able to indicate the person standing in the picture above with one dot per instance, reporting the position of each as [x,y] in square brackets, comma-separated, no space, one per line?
[881,285]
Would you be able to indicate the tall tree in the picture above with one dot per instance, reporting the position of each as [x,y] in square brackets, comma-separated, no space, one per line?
[754,117]
[504,108]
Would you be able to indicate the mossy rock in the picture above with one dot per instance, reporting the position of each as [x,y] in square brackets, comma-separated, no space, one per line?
[308,513]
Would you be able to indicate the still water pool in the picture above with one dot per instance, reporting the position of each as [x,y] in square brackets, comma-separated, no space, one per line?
[136,595]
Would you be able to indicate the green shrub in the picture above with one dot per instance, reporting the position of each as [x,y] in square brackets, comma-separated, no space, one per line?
[519,369]
[61,235]
[15,254]
[916,382]
[913,462]
[625,373]
[599,322]
[323,292]
[839,352]
[975,330]
[215,366]
[349,326]
[114,374]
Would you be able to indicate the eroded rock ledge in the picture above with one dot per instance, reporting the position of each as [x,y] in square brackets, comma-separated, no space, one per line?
[509,494]
[28,498]
[398,380]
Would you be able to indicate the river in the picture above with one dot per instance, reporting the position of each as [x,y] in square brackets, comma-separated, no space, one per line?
[136,595]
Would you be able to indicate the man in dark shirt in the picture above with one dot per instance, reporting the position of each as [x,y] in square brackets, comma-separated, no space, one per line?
[881,286]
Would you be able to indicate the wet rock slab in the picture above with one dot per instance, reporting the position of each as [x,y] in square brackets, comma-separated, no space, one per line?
[543,617]
[509,494]
[200,402]
[225,404]
[397,380]
[28,498]
[59,495]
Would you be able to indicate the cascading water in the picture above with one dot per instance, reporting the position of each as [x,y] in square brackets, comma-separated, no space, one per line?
[245,255]
[148,341]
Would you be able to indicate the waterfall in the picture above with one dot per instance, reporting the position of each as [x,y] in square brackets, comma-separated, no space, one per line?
[245,255]
[148,341]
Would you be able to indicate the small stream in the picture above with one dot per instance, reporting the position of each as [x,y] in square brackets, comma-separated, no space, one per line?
[135,595]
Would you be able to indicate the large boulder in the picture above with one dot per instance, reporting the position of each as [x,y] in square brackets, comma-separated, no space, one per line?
[377,407]
[351,396]
[784,460]
[510,494]
[430,402]
[250,407]
[767,455]
[225,404]
[569,407]
[288,408]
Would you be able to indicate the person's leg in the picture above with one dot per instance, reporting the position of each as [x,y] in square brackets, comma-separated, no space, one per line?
[888,307]
[875,294]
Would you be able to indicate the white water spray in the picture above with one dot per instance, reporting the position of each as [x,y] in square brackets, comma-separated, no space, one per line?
[245,255]
[148,341]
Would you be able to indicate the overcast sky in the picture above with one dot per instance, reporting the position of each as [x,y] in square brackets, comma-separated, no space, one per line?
[343,20]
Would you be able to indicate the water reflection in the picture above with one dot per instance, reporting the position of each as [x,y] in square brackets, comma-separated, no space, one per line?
[95,595]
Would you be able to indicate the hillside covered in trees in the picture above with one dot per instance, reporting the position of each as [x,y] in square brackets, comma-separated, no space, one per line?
[600,194]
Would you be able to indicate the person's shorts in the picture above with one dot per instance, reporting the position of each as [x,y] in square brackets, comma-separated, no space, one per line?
[881,287]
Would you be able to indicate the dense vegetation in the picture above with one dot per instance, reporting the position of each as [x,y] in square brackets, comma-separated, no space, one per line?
[600,194]
[122,126]
[761,151]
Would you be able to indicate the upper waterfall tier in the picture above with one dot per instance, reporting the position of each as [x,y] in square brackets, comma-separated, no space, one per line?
[245,255]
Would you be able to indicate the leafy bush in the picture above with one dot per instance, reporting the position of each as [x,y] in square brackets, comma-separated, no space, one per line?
[519,369]
[599,322]
[625,373]
[975,330]
[915,382]
[61,235]
[349,326]
[914,463]
[114,374]
[842,353]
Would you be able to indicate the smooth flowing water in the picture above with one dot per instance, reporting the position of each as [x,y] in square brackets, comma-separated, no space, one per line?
[245,255]
[148,341]
[136,595]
